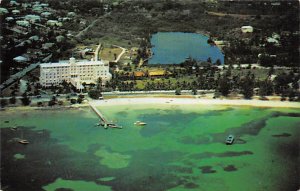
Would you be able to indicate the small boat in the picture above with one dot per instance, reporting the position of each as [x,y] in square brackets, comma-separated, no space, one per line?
[229,140]
[114,126]
[105,126]
[14,128]
[24,142]
[140,123]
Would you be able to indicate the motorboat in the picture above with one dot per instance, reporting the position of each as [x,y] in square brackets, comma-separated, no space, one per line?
[23,141]
[140,123]
[112,125]
[229,140]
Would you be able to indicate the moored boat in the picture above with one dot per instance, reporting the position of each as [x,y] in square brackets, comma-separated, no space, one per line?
[229,140]
[140,123]
[23,141]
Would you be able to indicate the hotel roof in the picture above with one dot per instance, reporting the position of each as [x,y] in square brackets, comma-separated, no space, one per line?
[67,63]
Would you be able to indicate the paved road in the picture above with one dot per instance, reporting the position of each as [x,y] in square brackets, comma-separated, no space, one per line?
[21,73]
[121,54]
[97,52]
[18,75]
[86,29]
[166,92]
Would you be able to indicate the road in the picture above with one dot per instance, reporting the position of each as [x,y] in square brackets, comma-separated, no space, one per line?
[97,52]
[90,25]
[87,28]
[242,16]
[121,54]
[18,75]
[21,73]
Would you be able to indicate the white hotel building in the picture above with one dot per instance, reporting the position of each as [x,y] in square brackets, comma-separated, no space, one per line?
[76,72]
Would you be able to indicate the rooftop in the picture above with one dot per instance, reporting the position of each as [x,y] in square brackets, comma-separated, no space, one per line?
[67,63]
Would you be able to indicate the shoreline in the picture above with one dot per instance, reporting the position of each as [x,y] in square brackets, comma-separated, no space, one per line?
[163,100]
[195,101]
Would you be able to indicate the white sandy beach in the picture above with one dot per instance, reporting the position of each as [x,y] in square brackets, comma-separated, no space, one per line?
[193,101]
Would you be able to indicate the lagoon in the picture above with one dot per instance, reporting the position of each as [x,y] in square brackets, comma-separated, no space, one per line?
[175,47]
[181,148]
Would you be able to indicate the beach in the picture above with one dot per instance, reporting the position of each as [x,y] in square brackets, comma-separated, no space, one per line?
[195,101]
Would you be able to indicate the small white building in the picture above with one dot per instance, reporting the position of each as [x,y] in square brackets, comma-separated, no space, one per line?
[3,11]
[46,14]
[247,29]
[274,39]
[33,18]
[34,38]
[37,8]
[26,5]
[60,38]
[23,23]
[20,59]
[47,45]
[9,19]
[76,72]
[15,12]
[14,3]
[71,14]
[44,5]
[54,23]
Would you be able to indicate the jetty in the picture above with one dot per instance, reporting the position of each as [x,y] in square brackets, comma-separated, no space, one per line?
[104,121]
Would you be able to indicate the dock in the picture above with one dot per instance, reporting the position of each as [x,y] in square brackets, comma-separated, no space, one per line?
[99,114]
[104,121]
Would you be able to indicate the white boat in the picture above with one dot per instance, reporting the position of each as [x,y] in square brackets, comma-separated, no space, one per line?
[229,140]
[140,123]
[24,142]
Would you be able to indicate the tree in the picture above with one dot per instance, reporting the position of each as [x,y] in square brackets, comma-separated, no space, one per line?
[224,86]
[3,103]
[178,91]
[79,100]
[291,94]
[99,84]
[25,100]
[209,60]
[12,100]
[218,62]
[265,88]
[95,94]
[194,91]
[73,101]
[53,99]
[247,86]
[28,89]
[51,103]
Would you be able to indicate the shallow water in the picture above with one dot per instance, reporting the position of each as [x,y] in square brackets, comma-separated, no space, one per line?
[175,47]
[180,148]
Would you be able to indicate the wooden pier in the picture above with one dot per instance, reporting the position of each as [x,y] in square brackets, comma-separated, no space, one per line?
[105,122]
[99,114]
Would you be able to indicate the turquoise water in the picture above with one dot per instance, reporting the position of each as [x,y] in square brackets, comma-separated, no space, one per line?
[180,148]
[175,47]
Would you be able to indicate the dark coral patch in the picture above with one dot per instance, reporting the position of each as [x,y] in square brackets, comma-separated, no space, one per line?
[207,169]
[233,154]
[225,154]
[282,135]
[64,189]
[191,185]
[230,168]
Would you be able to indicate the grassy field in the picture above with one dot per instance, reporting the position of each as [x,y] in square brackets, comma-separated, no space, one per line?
[110,53]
